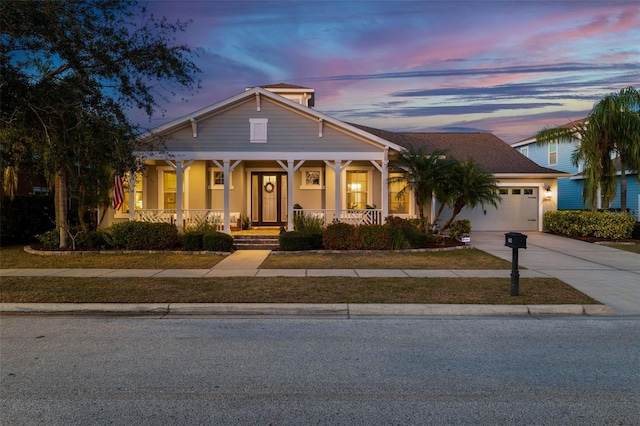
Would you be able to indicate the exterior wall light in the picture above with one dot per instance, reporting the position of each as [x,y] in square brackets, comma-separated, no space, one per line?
[547,192]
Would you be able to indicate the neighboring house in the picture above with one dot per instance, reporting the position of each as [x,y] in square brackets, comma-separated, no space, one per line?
[262,152]
[558,156]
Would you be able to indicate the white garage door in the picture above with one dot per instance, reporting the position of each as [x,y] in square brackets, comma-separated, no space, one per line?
[518,211]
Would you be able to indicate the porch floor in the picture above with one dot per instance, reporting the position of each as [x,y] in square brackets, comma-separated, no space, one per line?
[261,230]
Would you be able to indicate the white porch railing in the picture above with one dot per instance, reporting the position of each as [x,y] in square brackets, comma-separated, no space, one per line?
[190,217]
[351,216]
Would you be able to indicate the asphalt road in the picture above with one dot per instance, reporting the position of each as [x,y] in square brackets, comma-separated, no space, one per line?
[445,370]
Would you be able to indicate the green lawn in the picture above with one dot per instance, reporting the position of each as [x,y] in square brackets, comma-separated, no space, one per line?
[287,290]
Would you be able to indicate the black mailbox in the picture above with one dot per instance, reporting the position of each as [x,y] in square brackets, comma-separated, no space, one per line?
[515,240]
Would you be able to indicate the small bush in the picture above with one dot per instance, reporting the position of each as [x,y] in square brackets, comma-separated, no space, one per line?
[98,240]
[459,228]
[374,237]
[192,240]
[407,233]
[575,223]
[636,231]
[50,239]
[307,224]
[296,241]
[217,241]
[340,236]
[143,236]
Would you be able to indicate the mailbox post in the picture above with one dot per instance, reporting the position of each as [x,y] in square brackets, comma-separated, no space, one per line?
[516,241]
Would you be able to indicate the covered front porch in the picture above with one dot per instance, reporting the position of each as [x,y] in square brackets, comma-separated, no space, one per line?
[240,194]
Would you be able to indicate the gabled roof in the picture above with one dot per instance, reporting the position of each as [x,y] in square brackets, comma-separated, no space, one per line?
[494,154]
[259,91]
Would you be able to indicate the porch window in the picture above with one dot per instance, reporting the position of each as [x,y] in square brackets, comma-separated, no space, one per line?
[137,193]
[357,189]
[216,179]
[398,205]
[553,153]
[169,190]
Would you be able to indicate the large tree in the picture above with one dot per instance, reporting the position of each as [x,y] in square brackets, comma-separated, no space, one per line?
[421,173]
[610,132]
[71,71]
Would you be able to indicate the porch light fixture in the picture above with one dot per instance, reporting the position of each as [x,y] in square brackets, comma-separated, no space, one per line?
[547,192]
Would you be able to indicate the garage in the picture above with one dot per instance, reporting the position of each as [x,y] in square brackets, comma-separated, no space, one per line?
[518,212]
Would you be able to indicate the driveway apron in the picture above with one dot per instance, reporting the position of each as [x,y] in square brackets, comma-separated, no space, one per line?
[608,275]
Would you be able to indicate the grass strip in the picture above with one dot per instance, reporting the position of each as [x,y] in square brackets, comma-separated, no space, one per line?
[288,290]
[452,259]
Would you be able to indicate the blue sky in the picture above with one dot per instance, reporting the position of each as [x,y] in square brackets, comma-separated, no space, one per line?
[506,67]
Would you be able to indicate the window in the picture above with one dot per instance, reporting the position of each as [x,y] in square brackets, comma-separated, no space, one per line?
[524,151]
[357,189]
[137,193]
[503,191]
[397,205]
[258,130]
[216,179]
[516,191]
[169,190]
[553,153]
[312,178]
[528,191]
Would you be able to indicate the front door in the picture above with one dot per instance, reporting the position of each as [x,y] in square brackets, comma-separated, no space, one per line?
[268,199]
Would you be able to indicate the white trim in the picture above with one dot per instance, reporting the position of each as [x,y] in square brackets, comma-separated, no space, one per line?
[253,155]
[185,184]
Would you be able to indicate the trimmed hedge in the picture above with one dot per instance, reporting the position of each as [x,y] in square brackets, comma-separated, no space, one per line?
[296,241]
[143,236]
[574,223]
[217,241]
[636,231]
[192,240]
[340,236]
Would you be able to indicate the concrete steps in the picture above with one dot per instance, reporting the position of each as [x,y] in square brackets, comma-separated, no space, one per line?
[256,242]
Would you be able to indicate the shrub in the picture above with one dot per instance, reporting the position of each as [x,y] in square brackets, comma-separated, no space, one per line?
[296,240]
[459,228]
[575,223]
[192,240]
[50,239]
[143,236]
[98,240]
[636,231]
[307,224]
[217,241]
[374,237]
[407,233]
[340,236]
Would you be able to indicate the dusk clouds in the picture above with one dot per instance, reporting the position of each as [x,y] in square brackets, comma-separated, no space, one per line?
[507,67]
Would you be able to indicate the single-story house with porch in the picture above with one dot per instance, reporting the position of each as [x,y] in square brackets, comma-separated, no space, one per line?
[265,154]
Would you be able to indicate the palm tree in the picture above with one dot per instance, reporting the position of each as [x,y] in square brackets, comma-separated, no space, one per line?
[421,174]
[612,130]
[469,186]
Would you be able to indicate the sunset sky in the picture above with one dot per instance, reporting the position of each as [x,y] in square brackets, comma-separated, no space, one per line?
[506,67]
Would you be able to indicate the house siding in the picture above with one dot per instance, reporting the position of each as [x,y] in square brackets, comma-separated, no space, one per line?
[286,130]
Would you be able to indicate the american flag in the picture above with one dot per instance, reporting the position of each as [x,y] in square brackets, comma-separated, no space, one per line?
[118,193]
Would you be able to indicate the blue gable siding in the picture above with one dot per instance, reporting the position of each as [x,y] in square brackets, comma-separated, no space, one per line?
[540,155]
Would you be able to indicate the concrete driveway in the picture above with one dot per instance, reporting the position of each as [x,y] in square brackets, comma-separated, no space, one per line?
[608,275]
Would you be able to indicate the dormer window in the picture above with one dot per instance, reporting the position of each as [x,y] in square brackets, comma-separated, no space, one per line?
[258,130]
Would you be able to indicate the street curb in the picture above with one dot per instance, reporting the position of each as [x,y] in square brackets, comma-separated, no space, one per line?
[296,309]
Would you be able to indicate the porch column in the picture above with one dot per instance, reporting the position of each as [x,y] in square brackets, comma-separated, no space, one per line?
[227,168]
[290,167]
[383,168]
[132,195]
[337,170]
[180,166]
